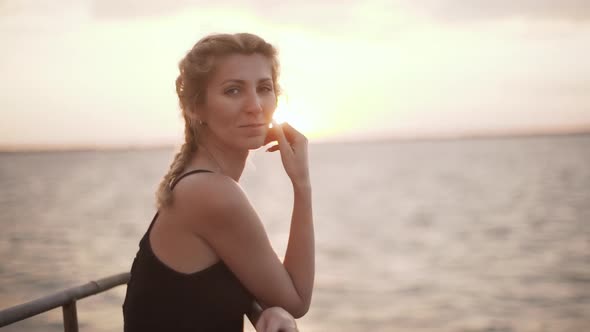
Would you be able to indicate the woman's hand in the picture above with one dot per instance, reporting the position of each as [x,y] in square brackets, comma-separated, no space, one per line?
[276,319]
[293,147]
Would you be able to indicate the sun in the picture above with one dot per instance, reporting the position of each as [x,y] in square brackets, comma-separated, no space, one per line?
[282,112]
[298,114]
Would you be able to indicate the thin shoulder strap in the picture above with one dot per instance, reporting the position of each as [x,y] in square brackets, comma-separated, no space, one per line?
[172,187]
[187,174]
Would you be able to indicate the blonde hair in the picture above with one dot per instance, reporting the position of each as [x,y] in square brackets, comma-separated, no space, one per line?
[195,70]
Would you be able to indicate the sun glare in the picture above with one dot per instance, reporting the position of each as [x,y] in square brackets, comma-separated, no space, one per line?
[281,111]
[286,112]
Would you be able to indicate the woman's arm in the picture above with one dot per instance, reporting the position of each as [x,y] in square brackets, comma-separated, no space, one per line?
[300,256]
[217,210]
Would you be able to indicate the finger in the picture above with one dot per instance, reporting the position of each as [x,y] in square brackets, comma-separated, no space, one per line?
[261,324]
[283,327]
[271,135]
[288,329]
[274,325]
[284,145]
[291,133]
[273,148]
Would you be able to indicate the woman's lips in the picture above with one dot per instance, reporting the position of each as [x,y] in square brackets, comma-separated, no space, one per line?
[253,125]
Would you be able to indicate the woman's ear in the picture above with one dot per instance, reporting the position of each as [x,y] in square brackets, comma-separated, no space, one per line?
[197,115]
[192,115]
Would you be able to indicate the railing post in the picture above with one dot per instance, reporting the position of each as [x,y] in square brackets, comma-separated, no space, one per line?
[70,317]
[66,299]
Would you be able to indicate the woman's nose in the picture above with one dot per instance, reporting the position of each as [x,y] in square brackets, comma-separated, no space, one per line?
[253,103]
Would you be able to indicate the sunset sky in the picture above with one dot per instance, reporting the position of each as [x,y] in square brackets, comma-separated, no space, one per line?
[101,73]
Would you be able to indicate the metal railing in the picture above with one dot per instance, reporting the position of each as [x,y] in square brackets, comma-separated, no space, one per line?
[65,299]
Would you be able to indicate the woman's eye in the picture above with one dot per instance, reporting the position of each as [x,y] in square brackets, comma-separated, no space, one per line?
[266,88]
[232,91]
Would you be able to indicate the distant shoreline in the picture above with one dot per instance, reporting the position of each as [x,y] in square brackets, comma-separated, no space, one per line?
[342,140]
[462,137]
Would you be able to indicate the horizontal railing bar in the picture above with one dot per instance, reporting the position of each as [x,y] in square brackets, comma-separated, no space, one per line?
[46,303]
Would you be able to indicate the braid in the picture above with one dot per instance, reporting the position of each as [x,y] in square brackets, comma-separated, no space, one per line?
[182,158]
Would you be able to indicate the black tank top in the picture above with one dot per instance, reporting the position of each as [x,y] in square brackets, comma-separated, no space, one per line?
[159,298]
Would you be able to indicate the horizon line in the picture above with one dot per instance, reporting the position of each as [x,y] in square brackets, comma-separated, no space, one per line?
[490,134]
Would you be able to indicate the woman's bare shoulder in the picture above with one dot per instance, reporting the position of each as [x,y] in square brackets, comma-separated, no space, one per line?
[209,193]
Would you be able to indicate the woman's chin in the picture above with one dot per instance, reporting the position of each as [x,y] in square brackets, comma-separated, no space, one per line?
[256,145]
[253,143]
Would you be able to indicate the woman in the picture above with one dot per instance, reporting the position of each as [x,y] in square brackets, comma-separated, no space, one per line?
[206,260]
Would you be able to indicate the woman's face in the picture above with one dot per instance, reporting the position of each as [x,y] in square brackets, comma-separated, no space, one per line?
[240,101]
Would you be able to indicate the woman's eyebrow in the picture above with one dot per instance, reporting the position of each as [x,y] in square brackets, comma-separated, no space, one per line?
[233,80]
[238,81]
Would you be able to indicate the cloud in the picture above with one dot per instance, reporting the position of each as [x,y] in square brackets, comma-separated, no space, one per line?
[329,15]
[333,12]
[266,9]
[118,9]
[313,11]
[460,10]
[333,17]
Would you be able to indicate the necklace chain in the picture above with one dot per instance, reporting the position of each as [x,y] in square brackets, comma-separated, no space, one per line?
[219,168]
